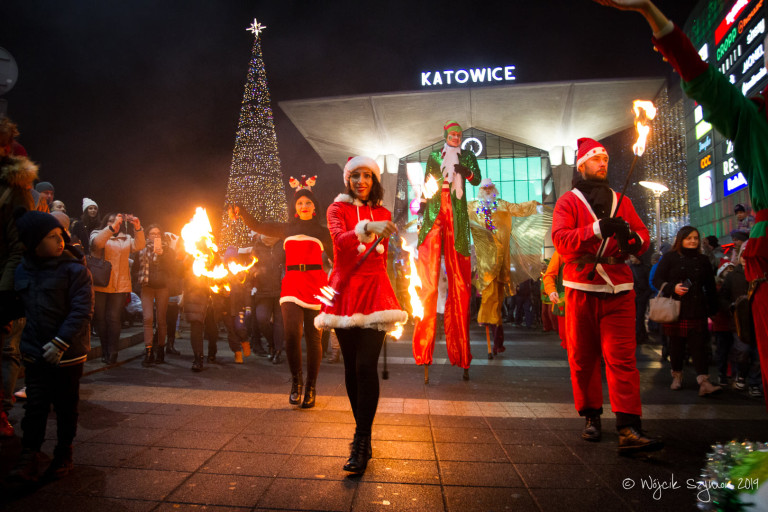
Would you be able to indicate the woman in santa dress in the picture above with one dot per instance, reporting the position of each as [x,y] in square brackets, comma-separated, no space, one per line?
[305,239]
[365,308]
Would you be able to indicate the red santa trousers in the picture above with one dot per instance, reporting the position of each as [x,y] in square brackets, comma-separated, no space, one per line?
[598,326]
[760,316]
[458,267]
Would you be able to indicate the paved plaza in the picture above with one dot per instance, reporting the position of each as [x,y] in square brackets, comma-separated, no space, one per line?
[226,439]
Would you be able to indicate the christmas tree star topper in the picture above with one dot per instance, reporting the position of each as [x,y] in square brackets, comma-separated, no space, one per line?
[256,27]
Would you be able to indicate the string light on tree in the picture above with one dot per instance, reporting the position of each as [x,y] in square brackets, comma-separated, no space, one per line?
[255,178]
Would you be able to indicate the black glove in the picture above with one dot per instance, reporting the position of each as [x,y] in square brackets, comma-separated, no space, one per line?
[422,207]
[463,170]
[629,243]
[613,226]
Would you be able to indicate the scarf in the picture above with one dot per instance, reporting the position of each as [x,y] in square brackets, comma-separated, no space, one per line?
[598,195]
[450,156]
[147,256]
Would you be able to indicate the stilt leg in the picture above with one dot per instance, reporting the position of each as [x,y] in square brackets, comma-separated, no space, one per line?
[488,339]
[426,374]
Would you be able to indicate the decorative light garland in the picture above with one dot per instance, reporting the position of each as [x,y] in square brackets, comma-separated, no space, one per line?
[485,210]
[255,178]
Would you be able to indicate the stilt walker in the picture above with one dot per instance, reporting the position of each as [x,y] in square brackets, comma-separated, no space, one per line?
[491,220]
[446,231]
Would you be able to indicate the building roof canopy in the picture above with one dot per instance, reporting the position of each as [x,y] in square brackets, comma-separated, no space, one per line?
[543,115]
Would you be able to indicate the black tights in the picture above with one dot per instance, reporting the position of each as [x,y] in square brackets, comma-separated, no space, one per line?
[295,320]
[361,348]
[696,342]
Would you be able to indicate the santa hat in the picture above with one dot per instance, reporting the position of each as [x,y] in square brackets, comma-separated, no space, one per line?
[451,126]
[360,162]
[587,149]
[87,201]
[723,267]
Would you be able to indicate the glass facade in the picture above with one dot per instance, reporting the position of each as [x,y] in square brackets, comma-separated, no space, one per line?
[521,173]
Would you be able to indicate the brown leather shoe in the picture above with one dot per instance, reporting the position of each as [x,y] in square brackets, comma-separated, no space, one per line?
[592,430]
[633,439]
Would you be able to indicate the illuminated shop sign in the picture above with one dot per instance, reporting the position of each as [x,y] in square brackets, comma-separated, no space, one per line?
[704,144]
[752,81]
[702,128]
[463,76]
[745,21]
[705,162]
[730,166]
[756,31]
[734,183]
[729,19]
[706,190]
[755,56]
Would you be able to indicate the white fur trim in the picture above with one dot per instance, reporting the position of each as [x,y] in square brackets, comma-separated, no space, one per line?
[300,238]
[344,198]
[360,249]
[359,162]
[596,229]
[380,249]
[607,288]
[599,150]
[298,301]
[380,320]
[361,234]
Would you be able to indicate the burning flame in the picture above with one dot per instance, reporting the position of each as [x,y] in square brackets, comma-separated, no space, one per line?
[199,243]
[430,187]
[644,111]
[414,282]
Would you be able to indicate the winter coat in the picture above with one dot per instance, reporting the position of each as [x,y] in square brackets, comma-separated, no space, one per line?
[700,301]
[14,193]
[268,271]
[196,296]
[116,248]
[58,301]
[161,270]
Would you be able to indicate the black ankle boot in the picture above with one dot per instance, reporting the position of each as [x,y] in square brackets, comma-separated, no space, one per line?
[197,364]
[149,357]
[360,454]
[160,355]
[61,465]
[296,389]
[170,349]
[309,395]
[592,429]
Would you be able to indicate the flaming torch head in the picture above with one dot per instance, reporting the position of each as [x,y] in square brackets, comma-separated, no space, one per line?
[430,187]
[645,111]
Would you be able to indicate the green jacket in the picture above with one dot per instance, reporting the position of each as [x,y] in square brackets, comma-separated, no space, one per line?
[460,213]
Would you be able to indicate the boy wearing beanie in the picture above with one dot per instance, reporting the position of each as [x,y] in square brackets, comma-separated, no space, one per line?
[56,289]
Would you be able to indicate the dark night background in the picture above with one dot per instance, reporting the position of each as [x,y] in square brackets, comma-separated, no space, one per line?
[135,104]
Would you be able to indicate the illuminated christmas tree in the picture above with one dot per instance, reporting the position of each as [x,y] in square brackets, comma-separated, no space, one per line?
[255,178]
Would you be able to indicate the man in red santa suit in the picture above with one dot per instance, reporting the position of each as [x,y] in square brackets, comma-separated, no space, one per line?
[600,316]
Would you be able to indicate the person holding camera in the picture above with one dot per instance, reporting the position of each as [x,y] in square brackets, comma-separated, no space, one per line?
[686,274]
[113,243]
[155,270]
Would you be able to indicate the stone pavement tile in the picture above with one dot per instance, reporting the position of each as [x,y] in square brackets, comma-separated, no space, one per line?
[401,433]
[161,421]
[195,439]
[387,496]
[558,476]
[309,494]
[130,435]
[402,471]
[470,452]
[217,424]
[320,416]
[231,490]
[182,410]
[125,407]
[540,454]
[557,500]
[458,421]
[481,474]
[403,450]
[48,502]
[517,423]
[169,459]
[463,435]
[310,467]
[194,507]
[416,420]
[263,443]
[332,430]
[541,437]
[125,483]
[602,453]
[324,446]
[267,426]
[99,454]
[246,463]
[575,423]
[463,499]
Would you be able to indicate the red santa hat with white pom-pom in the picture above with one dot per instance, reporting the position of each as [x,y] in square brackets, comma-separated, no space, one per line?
[587,149]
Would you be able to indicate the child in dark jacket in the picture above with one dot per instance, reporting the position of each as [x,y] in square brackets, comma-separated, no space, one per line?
[57,291]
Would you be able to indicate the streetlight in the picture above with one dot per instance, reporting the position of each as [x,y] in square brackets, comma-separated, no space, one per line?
[657,189]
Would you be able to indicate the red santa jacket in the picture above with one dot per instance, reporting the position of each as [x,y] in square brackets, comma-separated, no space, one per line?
[365,298]
[576,233]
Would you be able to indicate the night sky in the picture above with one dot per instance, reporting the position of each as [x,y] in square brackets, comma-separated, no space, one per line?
[135,104]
